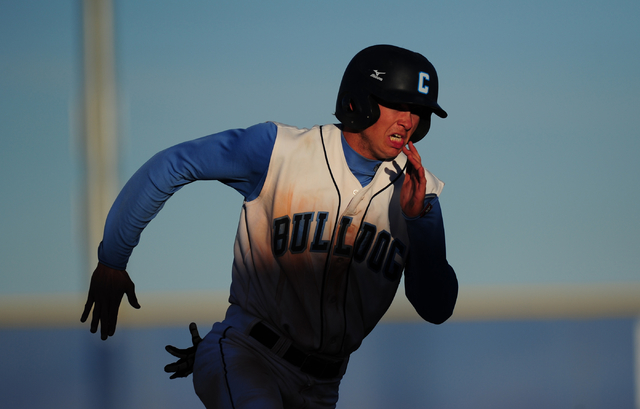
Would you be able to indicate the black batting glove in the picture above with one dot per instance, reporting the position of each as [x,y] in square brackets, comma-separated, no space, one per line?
[183,367]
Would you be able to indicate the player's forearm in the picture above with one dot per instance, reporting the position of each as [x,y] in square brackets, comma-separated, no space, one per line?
[433,292]
[431,284]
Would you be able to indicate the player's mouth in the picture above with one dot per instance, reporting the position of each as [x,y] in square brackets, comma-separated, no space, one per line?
[397,140]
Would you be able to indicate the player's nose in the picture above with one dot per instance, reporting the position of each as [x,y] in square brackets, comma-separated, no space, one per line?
[406,119]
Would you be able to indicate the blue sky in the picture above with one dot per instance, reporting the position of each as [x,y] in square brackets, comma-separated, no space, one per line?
[539,152]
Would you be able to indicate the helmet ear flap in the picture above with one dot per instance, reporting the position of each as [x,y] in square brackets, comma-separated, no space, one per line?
[347,104]
[357,113]
[374,111]
[348,111]
[422,129]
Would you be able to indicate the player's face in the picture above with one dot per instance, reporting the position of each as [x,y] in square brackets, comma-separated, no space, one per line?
[384,139]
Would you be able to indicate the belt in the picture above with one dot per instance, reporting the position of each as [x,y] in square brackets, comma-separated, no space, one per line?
[310,364]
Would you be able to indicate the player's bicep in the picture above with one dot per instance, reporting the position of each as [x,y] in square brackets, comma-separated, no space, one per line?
[239,157]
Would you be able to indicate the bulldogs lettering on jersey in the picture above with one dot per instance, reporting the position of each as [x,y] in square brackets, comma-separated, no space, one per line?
[376,247]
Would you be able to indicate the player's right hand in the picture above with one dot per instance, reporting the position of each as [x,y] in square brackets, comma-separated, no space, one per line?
[414,185]
[105,294]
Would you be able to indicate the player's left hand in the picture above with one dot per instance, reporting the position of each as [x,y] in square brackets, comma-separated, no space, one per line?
[415,183]
[183,367]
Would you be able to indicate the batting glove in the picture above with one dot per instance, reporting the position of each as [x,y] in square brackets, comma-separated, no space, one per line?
[183,367]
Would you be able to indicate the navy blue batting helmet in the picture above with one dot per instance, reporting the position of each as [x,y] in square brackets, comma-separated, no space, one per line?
[386,74]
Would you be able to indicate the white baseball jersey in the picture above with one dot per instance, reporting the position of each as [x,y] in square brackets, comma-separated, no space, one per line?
[318,256]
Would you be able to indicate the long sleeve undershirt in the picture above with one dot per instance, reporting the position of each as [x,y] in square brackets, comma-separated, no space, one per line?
[240,158]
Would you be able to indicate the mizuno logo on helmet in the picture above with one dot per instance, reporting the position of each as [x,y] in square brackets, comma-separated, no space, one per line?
[376,74]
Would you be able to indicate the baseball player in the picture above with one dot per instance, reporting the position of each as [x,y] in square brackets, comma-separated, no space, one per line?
[332,217]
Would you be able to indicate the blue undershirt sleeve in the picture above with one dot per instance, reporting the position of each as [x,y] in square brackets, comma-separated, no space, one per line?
[238,158]
[430,283]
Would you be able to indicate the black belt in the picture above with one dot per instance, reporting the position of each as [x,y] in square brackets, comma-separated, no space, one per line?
[310,364]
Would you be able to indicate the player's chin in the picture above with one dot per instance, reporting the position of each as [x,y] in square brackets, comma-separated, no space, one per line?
[391,151]
[390,158]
